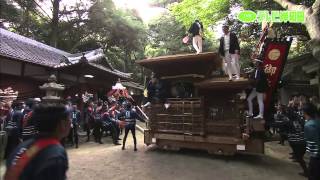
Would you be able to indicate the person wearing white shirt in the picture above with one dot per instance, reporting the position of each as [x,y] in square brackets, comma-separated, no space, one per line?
[229,49]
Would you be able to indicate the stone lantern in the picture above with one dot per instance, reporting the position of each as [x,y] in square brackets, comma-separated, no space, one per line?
[53,90]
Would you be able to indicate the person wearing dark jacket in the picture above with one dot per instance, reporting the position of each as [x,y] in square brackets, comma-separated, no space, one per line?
[151,87]
[156,91]
[281,121]
[42,157]
[312,136]
[28,125]
[196,29]
[110,124]
[297,141]
[14,127]
[130,116]
[88,119]
[97,128]
[76,116]
[229,49]
[259,88]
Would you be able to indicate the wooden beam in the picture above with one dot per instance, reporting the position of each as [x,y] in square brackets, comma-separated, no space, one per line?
[199,139]
[311,68]
[177,57]
[38,75]
[183,75]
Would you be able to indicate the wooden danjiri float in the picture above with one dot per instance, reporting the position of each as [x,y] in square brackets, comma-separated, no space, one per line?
[202,109]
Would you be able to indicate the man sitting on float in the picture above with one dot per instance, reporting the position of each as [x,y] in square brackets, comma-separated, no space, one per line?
[155,91]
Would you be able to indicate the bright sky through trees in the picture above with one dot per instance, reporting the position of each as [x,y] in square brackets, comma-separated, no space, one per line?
[145,11]
[142,6]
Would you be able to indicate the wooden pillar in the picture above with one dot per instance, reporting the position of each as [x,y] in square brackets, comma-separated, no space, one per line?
[80,92]
[58,76]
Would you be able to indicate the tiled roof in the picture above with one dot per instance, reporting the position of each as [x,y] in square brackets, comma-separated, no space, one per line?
[91,56]
[25,49]
[171,66]
[21,48]
[116,72]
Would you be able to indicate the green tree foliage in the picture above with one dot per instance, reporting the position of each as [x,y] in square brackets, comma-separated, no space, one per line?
[120,33]
[117,30]
[163,3]
[207,11]
[74,35]
[211,12]
[9,13]
[270,5]
[165,35]
[283,28]
[299,31]
[23,18]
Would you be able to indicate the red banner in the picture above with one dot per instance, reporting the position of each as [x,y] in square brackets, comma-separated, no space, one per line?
[275,56]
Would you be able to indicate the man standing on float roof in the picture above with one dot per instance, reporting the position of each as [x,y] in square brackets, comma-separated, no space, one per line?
[230,50]
[196,29]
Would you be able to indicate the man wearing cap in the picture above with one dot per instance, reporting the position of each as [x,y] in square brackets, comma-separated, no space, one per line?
[260,86]
[230,50]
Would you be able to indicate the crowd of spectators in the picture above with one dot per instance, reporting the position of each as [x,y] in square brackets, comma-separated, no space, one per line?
[298,123]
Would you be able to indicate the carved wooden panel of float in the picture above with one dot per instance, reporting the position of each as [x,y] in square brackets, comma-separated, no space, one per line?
[209,117]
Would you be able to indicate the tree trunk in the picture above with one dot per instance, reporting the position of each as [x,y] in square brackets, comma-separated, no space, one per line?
[54,23]
[312,22]
[313,27]
[126,61]
[27,21]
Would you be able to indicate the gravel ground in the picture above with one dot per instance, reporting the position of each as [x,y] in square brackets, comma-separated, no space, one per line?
[106,161]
